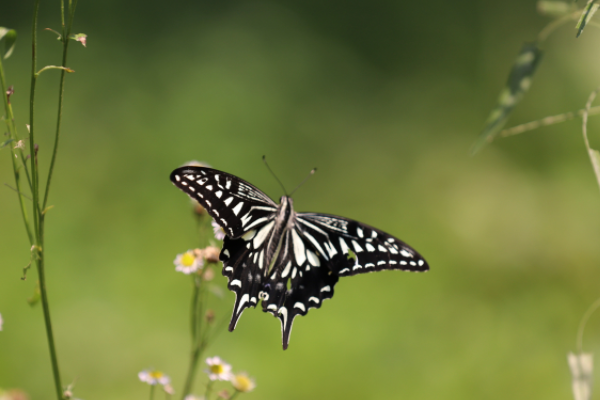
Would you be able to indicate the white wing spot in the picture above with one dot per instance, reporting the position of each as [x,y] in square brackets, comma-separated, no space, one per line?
[226,252]
[272,307]
[360,232]
[344,271]
[286,270]
[381,248]
[294,272]
[414,264]
[201,181]
[356,246]
[219,194]
[393,250]
[255,257]
[330,249]
[357,266]
[326,289]
[236,210]
[344,246]
[315,299]
[260,259]
[253,300]
[184,183]
[391,240]
[312,258]
[421,262]
[262,234]
[228,201]
[192,188]
[373,234]
[380,262]
[300,306]
[393,262]
[229,269]
[243,301]
[403,262]
[369,265]
[316,244]
[209,187]
[209,203]
[216,212]
[370,248]
[177,178]
[405,253]
[283,311]
[249,235]
[236,282]
[224,222]
[228,184]
[299,250]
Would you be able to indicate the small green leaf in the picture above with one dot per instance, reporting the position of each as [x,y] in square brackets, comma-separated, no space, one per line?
[6,142]
[517,85]
[10,37]
[588,12]
[36,297]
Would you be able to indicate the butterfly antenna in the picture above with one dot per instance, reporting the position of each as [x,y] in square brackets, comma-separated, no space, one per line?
[275,176]
[312,172]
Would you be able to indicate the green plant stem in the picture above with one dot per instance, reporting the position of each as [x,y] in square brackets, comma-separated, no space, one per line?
[234,395]
[152,391]
[65,39]
[11,130]
[198,344]
[38,214]
[208,389]
[552,26]
[547,121]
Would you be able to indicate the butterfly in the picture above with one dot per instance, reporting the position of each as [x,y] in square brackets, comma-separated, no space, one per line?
[287,260]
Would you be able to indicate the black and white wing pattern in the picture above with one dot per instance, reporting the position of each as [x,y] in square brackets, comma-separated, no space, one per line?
[290,261]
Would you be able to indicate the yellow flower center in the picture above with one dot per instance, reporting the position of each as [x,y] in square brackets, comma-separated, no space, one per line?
[216,369]
[188,259]
[156,374]
[242,383]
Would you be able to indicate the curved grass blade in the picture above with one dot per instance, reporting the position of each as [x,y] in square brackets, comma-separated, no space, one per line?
[588,12]
[10,37]
[517,85]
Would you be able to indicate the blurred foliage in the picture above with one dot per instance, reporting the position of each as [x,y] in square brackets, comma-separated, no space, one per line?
[386,101]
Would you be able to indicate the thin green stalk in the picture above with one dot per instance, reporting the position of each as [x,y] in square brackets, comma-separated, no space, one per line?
[208,389]
[65,39]
[196,326]
[10,125]
[152,391]
[38,214]
[234,395]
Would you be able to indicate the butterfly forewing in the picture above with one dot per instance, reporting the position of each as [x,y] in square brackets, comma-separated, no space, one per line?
[354,248]
[235,205]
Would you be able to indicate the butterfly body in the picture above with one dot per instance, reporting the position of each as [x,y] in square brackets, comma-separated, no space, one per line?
[290,261]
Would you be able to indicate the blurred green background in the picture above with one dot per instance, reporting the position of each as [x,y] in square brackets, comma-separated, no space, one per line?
[385,98]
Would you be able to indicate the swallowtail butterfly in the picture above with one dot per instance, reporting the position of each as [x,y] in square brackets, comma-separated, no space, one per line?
[290,261]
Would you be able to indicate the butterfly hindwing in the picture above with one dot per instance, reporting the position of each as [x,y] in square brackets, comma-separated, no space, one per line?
[235,205]
[300,280]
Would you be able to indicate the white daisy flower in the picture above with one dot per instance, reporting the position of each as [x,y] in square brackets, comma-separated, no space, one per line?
[153,377]
[218,369]
[219,232]
[188,262]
